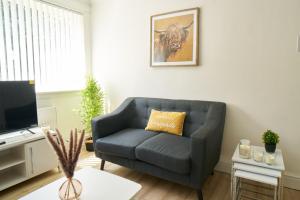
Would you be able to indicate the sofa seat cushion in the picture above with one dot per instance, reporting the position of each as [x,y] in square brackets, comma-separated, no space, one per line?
[124,142]
[167,151]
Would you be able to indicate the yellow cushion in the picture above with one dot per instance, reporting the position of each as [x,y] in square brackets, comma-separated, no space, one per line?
[170,122]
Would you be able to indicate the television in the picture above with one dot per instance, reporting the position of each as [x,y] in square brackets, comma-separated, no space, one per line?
[17,106]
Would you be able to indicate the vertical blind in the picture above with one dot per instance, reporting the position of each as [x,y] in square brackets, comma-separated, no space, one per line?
[41,42]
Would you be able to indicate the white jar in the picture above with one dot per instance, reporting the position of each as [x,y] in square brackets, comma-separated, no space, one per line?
[245,149]
[258,155]
[270,158]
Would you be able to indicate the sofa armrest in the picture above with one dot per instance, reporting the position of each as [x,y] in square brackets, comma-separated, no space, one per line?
[115,121]
[206,144]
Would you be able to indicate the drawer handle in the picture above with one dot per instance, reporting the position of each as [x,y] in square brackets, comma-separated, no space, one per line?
[31,156]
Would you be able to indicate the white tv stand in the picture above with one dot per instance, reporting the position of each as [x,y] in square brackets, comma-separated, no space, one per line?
[24,156]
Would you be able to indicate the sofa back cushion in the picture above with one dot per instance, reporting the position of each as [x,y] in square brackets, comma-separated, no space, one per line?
[196,111]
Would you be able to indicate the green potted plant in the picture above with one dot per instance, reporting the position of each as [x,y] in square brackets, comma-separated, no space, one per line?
[91,105]
[270,139]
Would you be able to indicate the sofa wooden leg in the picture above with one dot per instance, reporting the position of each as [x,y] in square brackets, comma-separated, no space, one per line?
[199,194]
[102,164]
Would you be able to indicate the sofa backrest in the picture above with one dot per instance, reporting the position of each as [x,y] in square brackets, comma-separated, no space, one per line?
[197,111]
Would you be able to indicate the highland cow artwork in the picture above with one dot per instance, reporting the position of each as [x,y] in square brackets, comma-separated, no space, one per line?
[174,38]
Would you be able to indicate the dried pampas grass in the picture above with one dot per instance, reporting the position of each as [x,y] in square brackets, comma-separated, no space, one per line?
[67,157]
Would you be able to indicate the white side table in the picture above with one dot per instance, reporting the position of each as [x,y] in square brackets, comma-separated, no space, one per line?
[257,171]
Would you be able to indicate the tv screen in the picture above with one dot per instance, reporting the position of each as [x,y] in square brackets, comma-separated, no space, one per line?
[17,105]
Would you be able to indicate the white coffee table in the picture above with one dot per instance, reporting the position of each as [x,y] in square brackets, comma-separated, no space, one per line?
[96,184]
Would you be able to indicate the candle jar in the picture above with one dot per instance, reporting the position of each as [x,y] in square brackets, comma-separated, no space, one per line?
[45,129]
[258,155]
[270,158]
[245,149]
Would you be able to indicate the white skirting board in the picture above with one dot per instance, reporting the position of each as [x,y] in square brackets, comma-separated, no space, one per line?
[289,180]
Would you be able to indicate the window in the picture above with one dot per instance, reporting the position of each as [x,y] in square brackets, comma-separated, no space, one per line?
[41,42]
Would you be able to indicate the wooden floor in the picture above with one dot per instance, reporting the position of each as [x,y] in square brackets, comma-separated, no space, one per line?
[217,187]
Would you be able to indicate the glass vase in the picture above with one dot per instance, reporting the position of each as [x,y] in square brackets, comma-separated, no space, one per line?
[70,190]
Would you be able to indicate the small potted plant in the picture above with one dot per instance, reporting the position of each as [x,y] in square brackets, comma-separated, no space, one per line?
[270,139]
[90,107]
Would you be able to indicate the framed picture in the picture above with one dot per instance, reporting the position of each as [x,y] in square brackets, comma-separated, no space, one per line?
[175,38]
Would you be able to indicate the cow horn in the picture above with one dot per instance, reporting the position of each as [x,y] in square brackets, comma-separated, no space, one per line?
[188,26]
[159,31]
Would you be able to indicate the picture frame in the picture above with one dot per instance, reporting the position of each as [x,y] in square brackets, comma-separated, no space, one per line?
[174,39]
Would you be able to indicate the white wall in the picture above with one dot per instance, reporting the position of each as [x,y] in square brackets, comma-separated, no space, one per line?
[248,60]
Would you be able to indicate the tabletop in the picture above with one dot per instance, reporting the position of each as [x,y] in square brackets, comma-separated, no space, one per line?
[278,164]
[96,184]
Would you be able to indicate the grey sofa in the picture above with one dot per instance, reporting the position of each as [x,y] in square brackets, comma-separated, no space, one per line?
[119,137]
